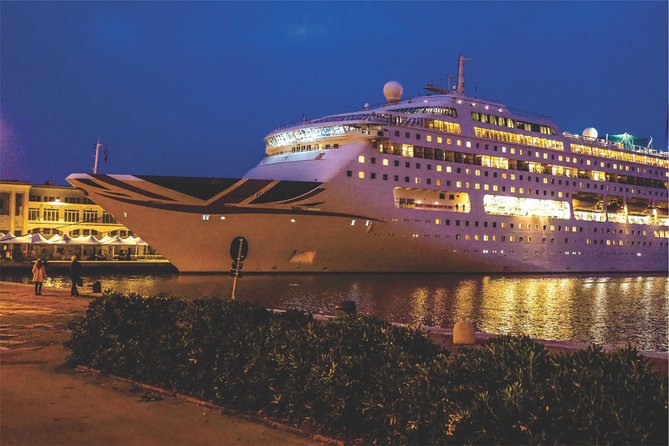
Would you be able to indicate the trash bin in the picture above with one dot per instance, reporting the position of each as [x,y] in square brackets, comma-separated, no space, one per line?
[97,287]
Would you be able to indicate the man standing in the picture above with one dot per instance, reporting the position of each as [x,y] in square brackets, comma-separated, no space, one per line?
[75,276]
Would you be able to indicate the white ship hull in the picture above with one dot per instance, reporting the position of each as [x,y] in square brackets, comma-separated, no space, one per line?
[345,224]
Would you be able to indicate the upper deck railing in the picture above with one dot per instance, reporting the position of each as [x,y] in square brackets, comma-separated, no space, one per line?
[616,145]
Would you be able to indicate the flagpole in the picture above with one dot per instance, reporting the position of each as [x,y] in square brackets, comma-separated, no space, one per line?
[97,153]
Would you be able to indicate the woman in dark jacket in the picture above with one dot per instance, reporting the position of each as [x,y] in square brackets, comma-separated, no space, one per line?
[75,276]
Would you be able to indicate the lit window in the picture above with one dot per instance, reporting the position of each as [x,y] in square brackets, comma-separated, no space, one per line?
[469,144]
[486,187]
[458,184]
[292,220]
[448,169]
[525,207]
[437,221]
[438,182]
[361,174]
[417,180]
[439,139]
[438,168]
[545,180]
[352,222]
[477,173]
[428,138]
[560,194]
[485,238]
[477,186]
[494,187]
[361,159]
[513,190]
[385,161]
[459,142]
[205,217]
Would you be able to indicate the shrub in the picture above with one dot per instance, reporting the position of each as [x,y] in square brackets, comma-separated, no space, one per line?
[368,381]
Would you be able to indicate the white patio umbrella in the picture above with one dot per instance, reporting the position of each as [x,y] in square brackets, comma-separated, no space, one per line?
[61,239]
[118,241]
[31,239]
[106,238]
[140,242]
[7,236]
[84,240]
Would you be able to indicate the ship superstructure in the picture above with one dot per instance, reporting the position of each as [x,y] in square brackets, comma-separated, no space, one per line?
[436,183]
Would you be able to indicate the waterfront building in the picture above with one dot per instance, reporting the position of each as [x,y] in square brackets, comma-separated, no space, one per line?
[47,209]
[438,183]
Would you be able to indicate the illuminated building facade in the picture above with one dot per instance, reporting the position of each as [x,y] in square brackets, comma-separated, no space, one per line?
[436,183]
[29,208]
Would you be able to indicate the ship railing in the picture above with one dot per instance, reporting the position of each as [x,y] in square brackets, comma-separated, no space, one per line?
[360,118]
[616,145]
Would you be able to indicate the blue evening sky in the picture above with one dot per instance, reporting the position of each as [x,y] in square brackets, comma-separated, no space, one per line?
[192,88]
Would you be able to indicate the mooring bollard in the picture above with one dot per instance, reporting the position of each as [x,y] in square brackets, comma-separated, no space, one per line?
[464,333]
[346,307]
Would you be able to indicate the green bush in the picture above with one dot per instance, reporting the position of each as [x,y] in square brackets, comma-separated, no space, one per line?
[364,380]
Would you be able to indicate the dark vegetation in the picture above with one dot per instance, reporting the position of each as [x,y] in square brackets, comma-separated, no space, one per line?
[364,380]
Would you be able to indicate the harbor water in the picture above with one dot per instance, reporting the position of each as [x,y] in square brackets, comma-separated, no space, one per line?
[602,309]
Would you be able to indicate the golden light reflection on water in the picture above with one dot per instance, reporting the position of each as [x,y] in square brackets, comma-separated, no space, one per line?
[608,310]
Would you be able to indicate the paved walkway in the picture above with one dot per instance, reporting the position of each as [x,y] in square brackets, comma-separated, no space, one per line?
[43,403]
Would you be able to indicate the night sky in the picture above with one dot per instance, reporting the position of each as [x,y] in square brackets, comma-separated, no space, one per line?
[192,88]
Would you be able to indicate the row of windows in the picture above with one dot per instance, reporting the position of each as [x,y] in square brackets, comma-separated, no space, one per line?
[624,156]
[536,227]
[411,151]
[445,111]
[50,199]
[501,121]
[477,186]
[69,215]
[552,240]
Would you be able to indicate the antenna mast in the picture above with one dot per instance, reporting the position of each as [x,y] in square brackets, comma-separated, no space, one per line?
[461,74]
[98,146]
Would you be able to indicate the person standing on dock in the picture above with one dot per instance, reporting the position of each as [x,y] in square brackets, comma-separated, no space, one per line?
[75,276]
[39,274]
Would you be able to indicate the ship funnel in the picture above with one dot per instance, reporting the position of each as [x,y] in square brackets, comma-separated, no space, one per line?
[393,90]
[461,74]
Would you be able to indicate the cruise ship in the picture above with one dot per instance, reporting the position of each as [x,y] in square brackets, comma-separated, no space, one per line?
[443,182]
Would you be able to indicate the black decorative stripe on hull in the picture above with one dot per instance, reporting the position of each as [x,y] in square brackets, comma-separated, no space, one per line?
[248,189]
[123,185]
[286,190]
[91,183]
[221,208]
[202,188]
[305,197]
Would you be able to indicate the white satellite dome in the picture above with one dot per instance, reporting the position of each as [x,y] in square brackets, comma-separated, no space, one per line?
[393,90]
[590,133]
